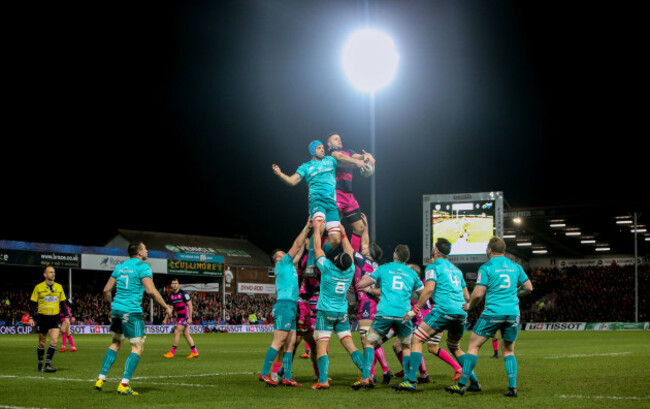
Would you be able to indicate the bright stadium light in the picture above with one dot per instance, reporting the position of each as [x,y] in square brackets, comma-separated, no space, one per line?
[369,60]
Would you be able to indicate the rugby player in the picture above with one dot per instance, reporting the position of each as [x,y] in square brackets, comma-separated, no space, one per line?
[319,174]
[500,281]
[182,304]
[66,335]
[284,311]
[47,302]
[397,282]
[131,278]
[345,200]
[446,284]
[332,315]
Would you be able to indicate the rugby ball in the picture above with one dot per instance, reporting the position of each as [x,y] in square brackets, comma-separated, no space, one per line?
[367,172]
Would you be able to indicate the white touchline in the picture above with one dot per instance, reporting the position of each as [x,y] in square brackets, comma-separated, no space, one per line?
[604,397]
[585,355]
[191,375]
[46,378]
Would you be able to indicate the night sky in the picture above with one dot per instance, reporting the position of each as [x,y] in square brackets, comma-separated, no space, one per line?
[167,117]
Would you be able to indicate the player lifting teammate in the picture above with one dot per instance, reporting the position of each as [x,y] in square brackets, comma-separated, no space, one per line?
[284,311]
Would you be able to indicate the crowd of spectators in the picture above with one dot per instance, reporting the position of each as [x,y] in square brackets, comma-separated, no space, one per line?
[591,294]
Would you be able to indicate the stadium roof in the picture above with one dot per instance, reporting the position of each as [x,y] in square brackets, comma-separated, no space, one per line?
[237,252]
[577,231]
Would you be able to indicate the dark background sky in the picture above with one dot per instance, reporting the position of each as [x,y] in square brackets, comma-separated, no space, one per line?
[167,117]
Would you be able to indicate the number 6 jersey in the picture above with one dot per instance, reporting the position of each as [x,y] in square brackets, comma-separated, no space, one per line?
[397,282]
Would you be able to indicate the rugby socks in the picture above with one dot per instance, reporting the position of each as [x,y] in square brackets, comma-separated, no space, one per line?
[357,358]
[276,367]
[287,360]
[323,366]
[173,351]
[423,366]
[70,340]
[40,352]
[64,337]
[271,353]
[444,355]
[511,370]
[414,361]
[368,356]
[131,363]
[372,367]
[50,354]
[381,358]
[468,361]
[109,358]
[193,348]
[306,348]
[495,345]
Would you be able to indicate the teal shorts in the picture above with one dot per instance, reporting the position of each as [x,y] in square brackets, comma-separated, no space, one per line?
[331,321]
[453,323]
[328,208]
[488,325]
[382,325]
[284,315]
[129,324]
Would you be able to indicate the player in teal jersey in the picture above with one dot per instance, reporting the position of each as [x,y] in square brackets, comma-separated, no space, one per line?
[501,281]
[284,311]
[319,173]
[445,282]
[131,278]
[332,315]
[397,283]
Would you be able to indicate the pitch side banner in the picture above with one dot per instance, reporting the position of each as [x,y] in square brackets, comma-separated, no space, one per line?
[555,326]
[243,329]
[39,258]
[618,326]
[109,262]
[252,288]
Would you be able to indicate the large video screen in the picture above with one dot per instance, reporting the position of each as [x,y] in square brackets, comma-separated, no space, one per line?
[468,221]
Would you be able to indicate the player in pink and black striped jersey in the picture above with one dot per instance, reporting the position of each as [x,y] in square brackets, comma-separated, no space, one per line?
[66,335]
[182,304]
[345,200]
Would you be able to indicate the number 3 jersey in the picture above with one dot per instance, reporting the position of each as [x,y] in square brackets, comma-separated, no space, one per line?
[397,282]
[502,277]
[129,275]
[448,295]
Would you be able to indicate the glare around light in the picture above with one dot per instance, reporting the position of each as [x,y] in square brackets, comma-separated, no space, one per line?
[369,60]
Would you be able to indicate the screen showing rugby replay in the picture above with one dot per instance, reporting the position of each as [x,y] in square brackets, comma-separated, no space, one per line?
[468,226]
[468,221]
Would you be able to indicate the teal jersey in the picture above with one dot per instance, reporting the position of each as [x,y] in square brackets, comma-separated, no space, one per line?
[334,285]
[286,279]
[502,277]
[448,294]
[397,282]
[320,176]
[129,275]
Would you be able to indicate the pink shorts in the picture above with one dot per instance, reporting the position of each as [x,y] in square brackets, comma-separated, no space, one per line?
[367,309]
[346,202]
[181,321]
[303,312]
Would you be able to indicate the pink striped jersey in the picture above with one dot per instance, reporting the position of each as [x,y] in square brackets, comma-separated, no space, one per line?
[179,301]
[343,175]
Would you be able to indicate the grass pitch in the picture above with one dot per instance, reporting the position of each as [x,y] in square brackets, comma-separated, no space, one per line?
[555,369]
